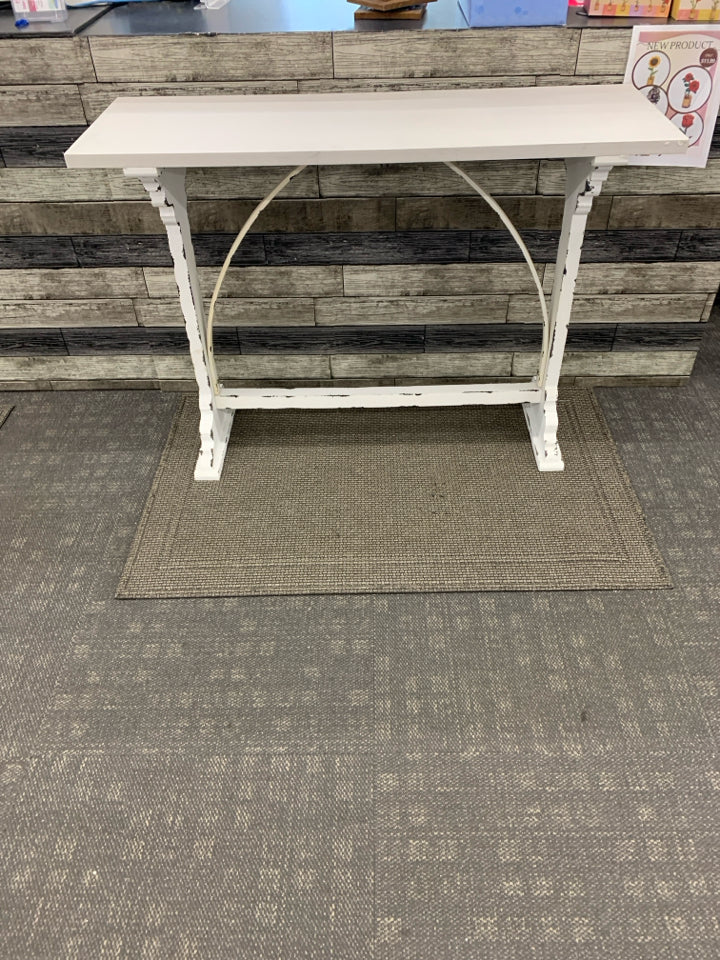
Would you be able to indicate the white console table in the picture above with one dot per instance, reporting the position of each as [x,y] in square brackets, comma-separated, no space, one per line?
[590,127]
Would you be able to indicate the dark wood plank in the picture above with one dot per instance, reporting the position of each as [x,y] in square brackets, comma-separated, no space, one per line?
[332,340]
[37,146]
[32,343]
[656,336]
[699,245]
[163,341]
[19,252]
[152,251]
[600,245]
[511,336]
[472,213]
[368,248]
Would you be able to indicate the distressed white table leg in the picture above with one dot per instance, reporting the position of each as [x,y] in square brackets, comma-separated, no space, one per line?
[584,181]
[167,192]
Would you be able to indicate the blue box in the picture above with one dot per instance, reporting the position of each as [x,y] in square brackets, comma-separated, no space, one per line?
[514,13]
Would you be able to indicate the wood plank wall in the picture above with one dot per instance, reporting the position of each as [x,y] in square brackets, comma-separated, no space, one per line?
[378,274]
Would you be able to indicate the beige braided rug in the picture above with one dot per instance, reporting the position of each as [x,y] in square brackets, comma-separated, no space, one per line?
[403,500]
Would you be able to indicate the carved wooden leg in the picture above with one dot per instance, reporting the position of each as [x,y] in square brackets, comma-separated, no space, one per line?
[166,189]
[584,181]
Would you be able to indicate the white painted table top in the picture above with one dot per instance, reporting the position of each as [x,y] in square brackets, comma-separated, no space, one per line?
[427,126]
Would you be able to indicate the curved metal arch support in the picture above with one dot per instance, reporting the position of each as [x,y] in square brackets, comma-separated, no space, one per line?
[507,222]
[226,264]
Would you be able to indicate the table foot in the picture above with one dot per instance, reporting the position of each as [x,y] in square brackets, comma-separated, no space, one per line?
[215,427]
[542,424]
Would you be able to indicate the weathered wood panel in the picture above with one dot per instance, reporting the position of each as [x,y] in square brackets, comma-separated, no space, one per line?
[430,179]
[67,313]
[554,80]
[34,284]
[330,340]
[426,279]
[78,217]
[619,363]
[96,97]
[38,60]
[223,57]
[248,367]
[76,368]
[295,216]
[324,281]
[219,183]
[427,365]
[371,84]
[472,213]
[600,245]
[367,248]
[232,312]
[662,308]
[643,213]
[699,245]
[19,252]
[631,278]
[441,53]
[410,310]
[602,52]
[26,106]
[639,180]
[516,336]
[36,146]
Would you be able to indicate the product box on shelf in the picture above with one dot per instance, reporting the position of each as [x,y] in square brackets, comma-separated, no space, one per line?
[696,10]
[627,8]
[519,13]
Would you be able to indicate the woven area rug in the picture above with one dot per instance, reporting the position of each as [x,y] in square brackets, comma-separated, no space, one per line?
[403,500]
[4,413]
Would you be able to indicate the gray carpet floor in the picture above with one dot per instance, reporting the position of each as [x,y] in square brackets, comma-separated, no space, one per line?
[491,776]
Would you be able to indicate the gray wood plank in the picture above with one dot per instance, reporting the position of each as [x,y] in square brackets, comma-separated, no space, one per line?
[427,279]
[77,368]
[390,247]
[36,146]
[18,252]
[96,97]
[615,363]
[430,179]
[295,216]
[36,60]
[52,184]
[472,213]
[513,336]
[484,364]
[632,278]
[321,281]
[647,308]
[220,183]
[73,284]
[554,80]
[639,180]
[699,245]
[370,84]
[603,52]
[70,218]
[253,367]
[224,57]
[410,310]
[232,312]
[41,105]
[332,340]
[664,211]
[440,53]
[67,313]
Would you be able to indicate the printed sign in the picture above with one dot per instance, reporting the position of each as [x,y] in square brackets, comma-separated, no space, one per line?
[677,69]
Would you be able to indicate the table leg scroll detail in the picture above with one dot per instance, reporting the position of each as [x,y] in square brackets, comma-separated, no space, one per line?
[166,189]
